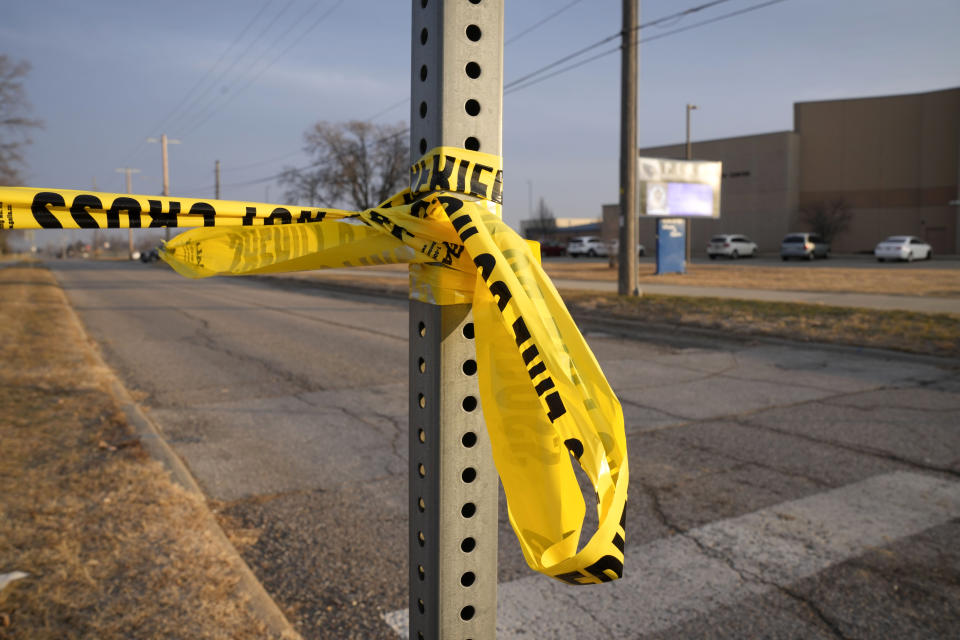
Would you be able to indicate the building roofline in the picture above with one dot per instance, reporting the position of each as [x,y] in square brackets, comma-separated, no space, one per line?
[696,142]
[890,95]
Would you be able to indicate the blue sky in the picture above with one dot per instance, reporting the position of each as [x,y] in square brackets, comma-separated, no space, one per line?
[109,73]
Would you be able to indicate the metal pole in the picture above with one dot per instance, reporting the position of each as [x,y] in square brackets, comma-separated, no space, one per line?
[217,180]
[457,56]
[689,156]
[627,274]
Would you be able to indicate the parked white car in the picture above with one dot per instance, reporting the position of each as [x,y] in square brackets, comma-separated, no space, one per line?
[591,246]
[907,248]
[615,249]
[732,246]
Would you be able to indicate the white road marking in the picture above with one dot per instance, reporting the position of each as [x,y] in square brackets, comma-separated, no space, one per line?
[671,580]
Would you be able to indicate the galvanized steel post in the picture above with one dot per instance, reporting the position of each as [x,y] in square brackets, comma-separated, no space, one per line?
[456,100]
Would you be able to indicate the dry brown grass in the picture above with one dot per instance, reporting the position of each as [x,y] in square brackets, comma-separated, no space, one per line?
[922,333]
[884,279]
[113,548]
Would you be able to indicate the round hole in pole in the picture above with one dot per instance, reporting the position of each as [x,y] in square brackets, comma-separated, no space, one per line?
[421,505]
[466,613]
[472,69]
[422,401]
[423,145]
[469,439]
[469,475]
[423,109]
[422,329]
[473,33]
[474,1]
[472,144]
[469,403]
[419,635]
[423,73]
[468,578]
[472,107]
[468,510]
[421,538]
[468,331]
[423,4]
[420,606]
[423,36]
[422,435]
[422,365]
[422,470]
[467,545]
[469,367]
[421,572]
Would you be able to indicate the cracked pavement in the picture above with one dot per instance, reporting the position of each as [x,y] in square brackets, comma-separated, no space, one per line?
[289,406]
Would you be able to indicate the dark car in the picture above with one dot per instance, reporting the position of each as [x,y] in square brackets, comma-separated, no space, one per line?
[150,255]
[549,248]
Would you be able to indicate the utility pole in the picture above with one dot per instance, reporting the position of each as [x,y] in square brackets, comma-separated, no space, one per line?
[627,275]
[129,171]
[457,59]
[164,141]
[689,156]
[216,183]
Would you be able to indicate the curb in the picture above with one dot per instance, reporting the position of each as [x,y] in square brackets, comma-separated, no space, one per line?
[678,335]
[259,601]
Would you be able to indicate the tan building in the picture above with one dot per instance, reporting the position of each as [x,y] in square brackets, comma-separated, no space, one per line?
[894,161]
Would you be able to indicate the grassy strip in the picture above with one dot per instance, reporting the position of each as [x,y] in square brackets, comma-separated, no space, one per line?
[113,548]
[922,333]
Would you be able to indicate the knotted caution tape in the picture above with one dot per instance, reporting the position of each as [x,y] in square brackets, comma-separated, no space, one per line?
[543,395]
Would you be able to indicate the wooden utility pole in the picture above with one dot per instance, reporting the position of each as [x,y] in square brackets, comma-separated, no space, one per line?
[457,60]
[216,171]
[627,274]
[689,156]
[164,141]
[128,171]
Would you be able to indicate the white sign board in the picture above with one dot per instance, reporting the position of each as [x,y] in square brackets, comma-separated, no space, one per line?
[679,188]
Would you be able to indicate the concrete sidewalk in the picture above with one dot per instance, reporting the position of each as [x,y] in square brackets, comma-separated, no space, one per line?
[920,304]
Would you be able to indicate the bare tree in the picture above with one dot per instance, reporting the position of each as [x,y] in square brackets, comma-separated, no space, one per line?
[14,121]
[545,220]
[829,218]
[14,127]
[355,164]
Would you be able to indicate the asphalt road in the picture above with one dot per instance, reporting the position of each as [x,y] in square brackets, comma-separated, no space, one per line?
[776,491]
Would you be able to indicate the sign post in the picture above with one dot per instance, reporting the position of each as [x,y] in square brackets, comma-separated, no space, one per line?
[456,100]
[674,190]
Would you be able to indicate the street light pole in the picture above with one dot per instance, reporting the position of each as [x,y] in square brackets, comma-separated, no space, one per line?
[164,141]
[689,156]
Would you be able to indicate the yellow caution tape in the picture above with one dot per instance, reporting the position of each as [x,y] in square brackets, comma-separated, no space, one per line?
[545,400]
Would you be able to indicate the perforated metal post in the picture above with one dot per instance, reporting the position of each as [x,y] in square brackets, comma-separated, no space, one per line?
[456,100]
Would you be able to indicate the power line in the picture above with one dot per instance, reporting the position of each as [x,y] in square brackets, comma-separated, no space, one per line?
[198,100]
[190,94]
[541,22]
[614,36]
[532,78]
[270,64]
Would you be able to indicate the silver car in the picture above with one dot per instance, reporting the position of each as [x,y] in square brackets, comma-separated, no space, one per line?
[907,248]
[804,245]
[731,246]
